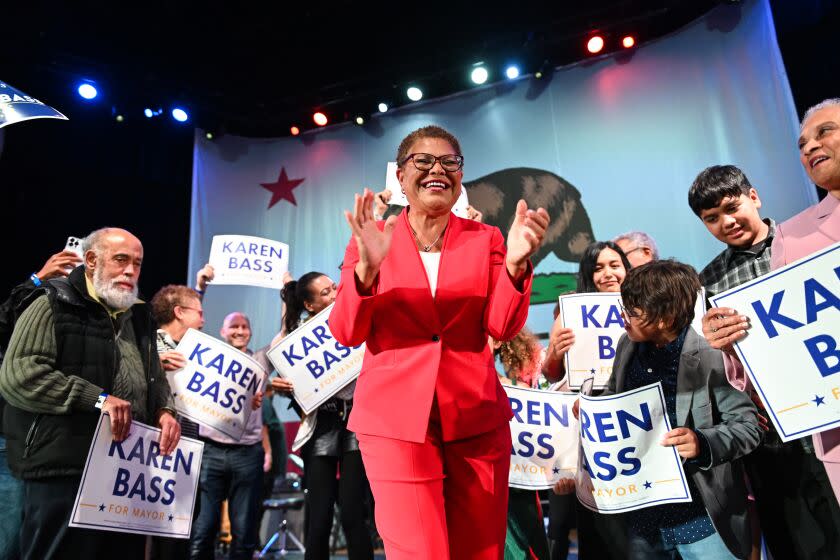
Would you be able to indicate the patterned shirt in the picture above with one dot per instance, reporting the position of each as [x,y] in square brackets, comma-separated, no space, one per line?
[729,270]
[673,523]
[734,266]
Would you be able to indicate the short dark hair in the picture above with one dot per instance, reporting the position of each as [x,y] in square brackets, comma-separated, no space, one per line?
[715,183]
[431,131]
[164,301]
[586,272]
[664,290]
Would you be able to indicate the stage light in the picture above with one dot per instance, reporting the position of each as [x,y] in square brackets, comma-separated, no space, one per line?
[148,112]
[119,118]
[545,70]
[87,91]
[180,115]
[360,120]
[595,44]
[208,135]
[294,130]
[414,93]
[628,42]
[320,119]
[383,107]
[512,72]
[479,75]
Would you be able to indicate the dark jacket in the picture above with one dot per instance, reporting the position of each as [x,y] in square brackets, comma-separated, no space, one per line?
[727,418]
[47,445]
[9,312]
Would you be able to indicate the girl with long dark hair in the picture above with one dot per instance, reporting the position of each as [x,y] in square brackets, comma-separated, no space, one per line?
[326,445]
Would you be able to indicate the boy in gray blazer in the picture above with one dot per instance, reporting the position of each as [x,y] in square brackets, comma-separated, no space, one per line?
[715,424]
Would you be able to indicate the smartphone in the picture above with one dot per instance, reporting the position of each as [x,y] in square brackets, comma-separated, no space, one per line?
[74,244]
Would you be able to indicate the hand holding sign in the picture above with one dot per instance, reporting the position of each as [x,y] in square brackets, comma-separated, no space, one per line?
[219,385]
[373,245]
[794,318]
[684,440]
[623,463]
[170,432]
[525,236]
[245,260]
[597,323]
[172,360]
[722,327]
[282,385]
[119,412]
[560,340]
[132,487]
[564,486]
[205,275]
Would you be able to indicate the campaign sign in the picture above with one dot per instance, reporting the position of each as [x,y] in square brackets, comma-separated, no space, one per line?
[699,311]
[317,364]
[545,437]
[596,320]
[249,261]
[130,487]
[16,106]
[398,198]
[792,349]
[217,386]
[622,465]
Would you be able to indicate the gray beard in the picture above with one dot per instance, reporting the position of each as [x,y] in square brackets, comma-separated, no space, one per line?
[110,295]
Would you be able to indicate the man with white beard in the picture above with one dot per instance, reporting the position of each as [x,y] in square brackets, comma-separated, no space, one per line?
[84,345]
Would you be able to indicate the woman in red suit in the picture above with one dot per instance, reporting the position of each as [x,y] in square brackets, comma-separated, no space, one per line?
[424,290]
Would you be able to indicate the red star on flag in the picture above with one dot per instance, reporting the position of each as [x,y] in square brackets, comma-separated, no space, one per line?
[282,188]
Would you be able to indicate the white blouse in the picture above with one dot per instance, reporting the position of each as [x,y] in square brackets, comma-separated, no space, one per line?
[431,262]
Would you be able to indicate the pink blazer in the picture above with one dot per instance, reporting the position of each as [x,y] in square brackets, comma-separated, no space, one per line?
[420,348]
[809,231]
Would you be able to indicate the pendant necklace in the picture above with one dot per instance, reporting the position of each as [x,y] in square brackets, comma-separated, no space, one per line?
[430,246]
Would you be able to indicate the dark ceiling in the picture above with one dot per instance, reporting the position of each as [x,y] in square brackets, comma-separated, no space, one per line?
[255,68]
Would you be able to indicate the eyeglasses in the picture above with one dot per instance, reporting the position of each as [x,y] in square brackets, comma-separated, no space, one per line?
[199,311]
[627,313]
[424,162]
[634,249]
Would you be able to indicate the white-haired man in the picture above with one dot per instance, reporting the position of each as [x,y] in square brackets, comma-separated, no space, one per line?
[83,346]
[639,247]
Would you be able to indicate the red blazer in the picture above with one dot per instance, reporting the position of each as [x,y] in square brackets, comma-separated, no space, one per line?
[419,347]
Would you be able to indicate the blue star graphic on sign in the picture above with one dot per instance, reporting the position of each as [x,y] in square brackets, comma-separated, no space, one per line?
[556,470]
[171,517]
[818,400]
[648,484]
[592,371]
[316,390]
[101,507]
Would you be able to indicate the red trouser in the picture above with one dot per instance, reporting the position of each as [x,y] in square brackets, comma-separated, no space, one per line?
[440,500]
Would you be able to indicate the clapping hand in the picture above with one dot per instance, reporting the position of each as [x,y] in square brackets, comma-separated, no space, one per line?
[372,243]
[525,237]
